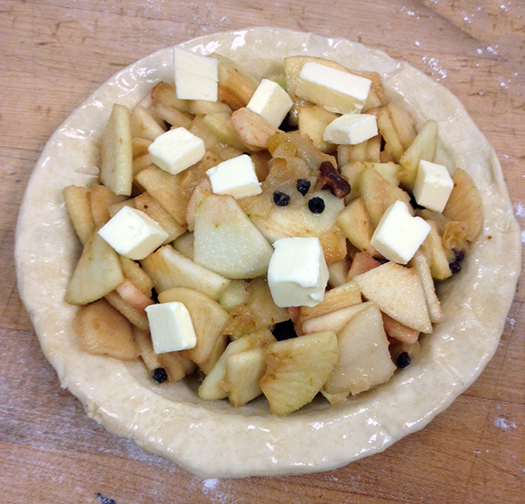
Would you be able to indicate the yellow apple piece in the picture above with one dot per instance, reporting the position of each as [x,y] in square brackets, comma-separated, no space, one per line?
[102,199]
[207,316]
[78,207]
[297,369]
[168,268]
[116,152]
[135,315]
[97,272]
[313,120]
[398,292]
[333,321]
[144,125]
[101,330]
[364,359]
[226,241]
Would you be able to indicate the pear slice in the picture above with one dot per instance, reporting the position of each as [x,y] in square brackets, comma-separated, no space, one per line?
[101,330]
[207,316]
[97,273]
[213,386]
[313,120]
[133,272]
[144,125]
[423,147]
[364,359]
[398,292]
[333,321]
[435,253]
[101,199]
[168,268]
[297,369]
[226,241]
[116,152]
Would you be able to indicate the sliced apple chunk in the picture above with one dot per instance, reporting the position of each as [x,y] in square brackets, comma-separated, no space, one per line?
[101,330]
[399,293]
[78,207]
[207,316]
[168,268]
[297,369]
[226,241]
[243,372]
[333,321]
[364,359]
[97,273]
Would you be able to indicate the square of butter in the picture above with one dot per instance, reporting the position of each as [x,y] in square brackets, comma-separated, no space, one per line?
[236,177]
[133,234]
[398,235]
[433,186]
[297,273]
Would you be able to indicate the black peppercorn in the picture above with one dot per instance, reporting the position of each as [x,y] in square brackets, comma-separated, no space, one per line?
[280,198]
[159,375]
[316,205]
[455,267]
[303,186]
[403,360]
[284,330]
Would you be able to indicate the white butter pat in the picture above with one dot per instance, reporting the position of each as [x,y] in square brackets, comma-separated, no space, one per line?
[398,235]
[351,129]
[171,327]
[133,234]
[297,273]
[236,177]
[433,186]
[196,76]
[271,102]
[176,150]
[336,91]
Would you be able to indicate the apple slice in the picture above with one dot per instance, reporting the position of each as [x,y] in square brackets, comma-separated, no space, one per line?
[207,316]
[334,321]
[133,272]
[243,372]
[297,369]
[364,359]
[398,292]
[361,264]
[226,241]
[399,331]
[213,386]
[97,273]
[168,268]
[102,330]
[78,208]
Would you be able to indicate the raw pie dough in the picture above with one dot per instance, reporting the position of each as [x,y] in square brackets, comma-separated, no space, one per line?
[213,439]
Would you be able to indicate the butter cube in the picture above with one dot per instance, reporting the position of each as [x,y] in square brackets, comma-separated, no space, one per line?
[235,176]
[176,150]
[336,91]
[133,234]
[398,235]
[171,327]
[351,129]
[271,102]
[297,273]
[433,186]
[196,76]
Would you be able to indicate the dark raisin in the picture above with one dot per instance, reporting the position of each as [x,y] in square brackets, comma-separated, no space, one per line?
[455,267]
[403,360]
[303,186]
[284,330]
[105,500]
[459,254]
[333,181]
[316,205]
[414,203]
[280,198]
[159,375]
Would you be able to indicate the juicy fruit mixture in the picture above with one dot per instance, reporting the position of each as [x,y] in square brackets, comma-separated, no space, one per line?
[280,237]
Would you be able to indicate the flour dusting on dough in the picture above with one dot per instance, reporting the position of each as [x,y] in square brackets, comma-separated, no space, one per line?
[504,424]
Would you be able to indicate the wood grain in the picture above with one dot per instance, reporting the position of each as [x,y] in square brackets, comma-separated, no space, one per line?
[54,54]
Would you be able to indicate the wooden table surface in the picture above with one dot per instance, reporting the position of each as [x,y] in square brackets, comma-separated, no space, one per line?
[55,53]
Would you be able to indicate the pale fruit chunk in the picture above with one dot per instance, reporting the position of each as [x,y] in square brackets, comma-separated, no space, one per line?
[220,124]
[361,264]
[144,125]
[464,205]
[168,268]
[420,264]
[226,241]
[423,147]
[378,194]
[399,331]
[337,272]
[355,223]
[313,121]
[101,330]
[236,293]
[137,316]
[333,321]
[364,359]
[252,130]
[116,153]
[243,372]
[97,273]
[398,292]
[102,199]
[297,369]
[435,253]
[265,312]
[218,349]
[207,316]
[184,244]
[133,272]
[78,207]
[167,95]
[213,386]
